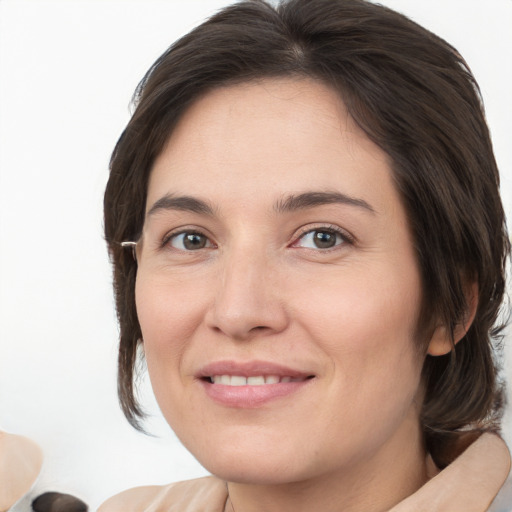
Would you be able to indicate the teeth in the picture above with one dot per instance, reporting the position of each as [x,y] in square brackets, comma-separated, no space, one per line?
[257,380]
[238,381]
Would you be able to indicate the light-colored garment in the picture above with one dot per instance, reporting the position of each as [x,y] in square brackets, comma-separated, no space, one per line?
[20,463]
[208,494]
[469,484]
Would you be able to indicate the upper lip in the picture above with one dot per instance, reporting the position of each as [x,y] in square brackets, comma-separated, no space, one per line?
[249,369]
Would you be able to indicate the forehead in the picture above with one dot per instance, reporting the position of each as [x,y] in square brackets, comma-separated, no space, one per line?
[269,138]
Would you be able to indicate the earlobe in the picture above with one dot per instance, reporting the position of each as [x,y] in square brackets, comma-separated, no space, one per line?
[441,342]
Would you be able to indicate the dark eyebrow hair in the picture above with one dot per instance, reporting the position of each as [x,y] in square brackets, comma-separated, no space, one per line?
[312,199]
[289,204]
[183,203]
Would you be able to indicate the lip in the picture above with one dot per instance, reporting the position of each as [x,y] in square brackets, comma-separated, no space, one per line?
[250,369]
[247,396]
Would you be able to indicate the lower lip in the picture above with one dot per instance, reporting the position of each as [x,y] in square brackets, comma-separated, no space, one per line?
[251,397]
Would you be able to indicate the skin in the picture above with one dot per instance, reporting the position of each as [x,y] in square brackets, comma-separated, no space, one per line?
[260,289]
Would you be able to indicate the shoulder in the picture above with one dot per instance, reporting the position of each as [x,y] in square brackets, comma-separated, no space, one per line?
[206,494]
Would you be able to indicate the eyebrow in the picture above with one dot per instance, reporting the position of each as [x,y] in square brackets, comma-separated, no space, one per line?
[311,199]
[289,204]
[182,203]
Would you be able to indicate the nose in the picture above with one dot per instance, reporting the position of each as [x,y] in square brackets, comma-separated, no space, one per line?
[248,301]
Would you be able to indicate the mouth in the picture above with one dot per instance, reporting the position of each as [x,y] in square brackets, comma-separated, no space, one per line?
[254,380]
[251,385]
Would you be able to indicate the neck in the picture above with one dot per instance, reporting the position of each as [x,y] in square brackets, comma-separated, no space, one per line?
[396,470]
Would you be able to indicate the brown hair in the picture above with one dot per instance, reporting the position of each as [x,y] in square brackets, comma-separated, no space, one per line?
[414,96]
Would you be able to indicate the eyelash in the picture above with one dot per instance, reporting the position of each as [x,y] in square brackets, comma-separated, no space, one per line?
[346,238]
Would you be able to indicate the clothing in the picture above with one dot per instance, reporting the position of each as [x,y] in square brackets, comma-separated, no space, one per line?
[469,484]
[208,494]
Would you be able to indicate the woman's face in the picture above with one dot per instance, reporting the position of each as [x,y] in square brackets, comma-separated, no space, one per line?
[277,288]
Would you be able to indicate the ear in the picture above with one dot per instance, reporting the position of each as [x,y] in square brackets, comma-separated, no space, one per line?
[441,341]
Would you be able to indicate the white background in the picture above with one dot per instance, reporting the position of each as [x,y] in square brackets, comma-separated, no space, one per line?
[67,72]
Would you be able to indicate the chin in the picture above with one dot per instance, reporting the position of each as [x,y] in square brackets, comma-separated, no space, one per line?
[255,470]
[248,456]
[258,458]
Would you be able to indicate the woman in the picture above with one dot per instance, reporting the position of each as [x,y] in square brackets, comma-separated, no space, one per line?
[317,264]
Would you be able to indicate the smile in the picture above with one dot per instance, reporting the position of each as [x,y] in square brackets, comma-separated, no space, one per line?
[250,385]
[257,380]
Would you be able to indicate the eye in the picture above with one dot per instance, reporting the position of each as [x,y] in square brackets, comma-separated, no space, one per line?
[188,241]
[321,238]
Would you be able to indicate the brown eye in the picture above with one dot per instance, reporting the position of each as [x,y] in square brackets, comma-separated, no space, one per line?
[324,239]
[320,239]
[190,241]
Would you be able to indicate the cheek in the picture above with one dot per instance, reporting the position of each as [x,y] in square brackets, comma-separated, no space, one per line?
[166,306]
[368,333]
[168,316]
[361,309]
[367,326]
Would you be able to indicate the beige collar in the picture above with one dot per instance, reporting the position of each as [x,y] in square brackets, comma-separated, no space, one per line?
[469,484]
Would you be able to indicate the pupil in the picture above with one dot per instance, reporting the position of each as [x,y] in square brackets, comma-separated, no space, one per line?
[194,241]
[324,239]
